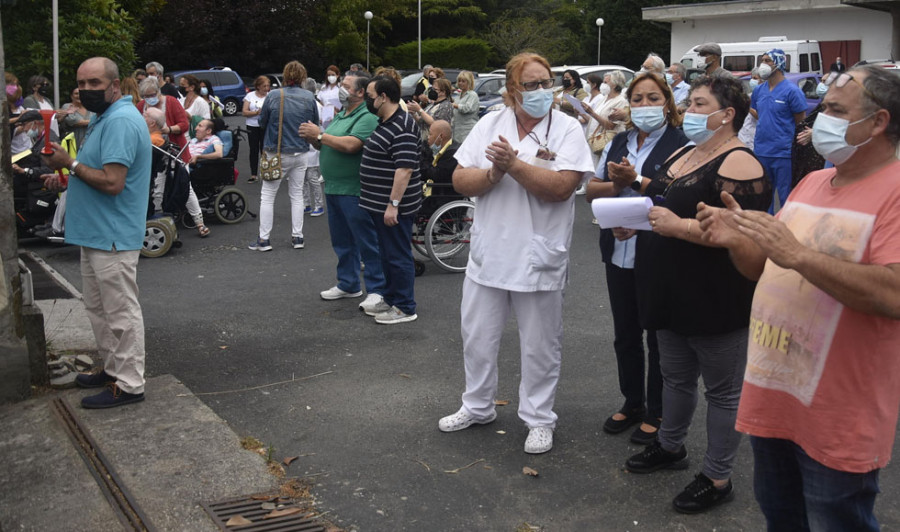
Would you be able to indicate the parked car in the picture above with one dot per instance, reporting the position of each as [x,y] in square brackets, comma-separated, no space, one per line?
[408,82]
[227,84]
[275,80]
[807,81]
[489,88]
[585,70]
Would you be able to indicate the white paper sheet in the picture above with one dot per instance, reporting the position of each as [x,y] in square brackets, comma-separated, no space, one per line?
[576,103]
[631,213]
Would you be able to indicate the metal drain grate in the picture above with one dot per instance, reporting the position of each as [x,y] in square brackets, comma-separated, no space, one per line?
[251,508]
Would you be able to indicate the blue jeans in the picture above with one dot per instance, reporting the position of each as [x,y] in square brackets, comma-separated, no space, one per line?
[779,172]
[353,238]
[795,492]
[395,244]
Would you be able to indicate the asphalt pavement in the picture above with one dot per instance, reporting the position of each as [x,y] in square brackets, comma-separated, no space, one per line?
[359,402]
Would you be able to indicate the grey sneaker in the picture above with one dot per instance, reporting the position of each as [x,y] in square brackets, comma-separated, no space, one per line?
[297,242]
[374,304]
[260,245]
[394,315]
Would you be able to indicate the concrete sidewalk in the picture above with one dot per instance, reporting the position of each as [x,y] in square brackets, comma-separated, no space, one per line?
[171,452]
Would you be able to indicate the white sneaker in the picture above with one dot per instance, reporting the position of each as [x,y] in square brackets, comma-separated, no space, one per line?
[394,315]
[581,191]
[540,440]
[336,293]
[374,304]
[463,420]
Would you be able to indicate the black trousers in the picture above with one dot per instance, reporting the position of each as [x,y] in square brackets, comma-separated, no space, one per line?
[255,140]
[629,345]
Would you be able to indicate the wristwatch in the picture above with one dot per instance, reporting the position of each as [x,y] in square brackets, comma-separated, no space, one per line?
[637,183]
[73,166]
[395,202]
[319,138]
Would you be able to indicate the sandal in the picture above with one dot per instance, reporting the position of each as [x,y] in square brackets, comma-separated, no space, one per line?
[253,179]
[646,432]
[203,230]
[615,426]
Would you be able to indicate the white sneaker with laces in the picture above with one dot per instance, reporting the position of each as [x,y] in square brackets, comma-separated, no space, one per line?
[581,191]
[336,293]
[540,440]
[463,420]
[374,304]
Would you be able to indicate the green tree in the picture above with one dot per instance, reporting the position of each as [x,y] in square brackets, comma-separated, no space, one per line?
[88,28]
[511,35]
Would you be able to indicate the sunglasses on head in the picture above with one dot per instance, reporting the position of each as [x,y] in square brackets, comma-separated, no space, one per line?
[842,79]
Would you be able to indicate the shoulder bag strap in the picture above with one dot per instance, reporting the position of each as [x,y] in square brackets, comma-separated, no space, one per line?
[280,123]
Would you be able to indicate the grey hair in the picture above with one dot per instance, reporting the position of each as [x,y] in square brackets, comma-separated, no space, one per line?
[887,86]
[617,79]
[147,84]
[679,69]
[754,72]
[156,115]
[360,80]
[310,85]
[659,66]
[159,68]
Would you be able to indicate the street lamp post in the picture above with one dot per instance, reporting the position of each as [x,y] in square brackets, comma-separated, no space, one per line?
[420,34]
[368,15]
[599,30]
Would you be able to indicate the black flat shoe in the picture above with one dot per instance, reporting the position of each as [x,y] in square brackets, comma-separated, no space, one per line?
[616,426]
[642,437]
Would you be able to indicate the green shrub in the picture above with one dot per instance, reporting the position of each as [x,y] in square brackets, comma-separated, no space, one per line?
[457,52]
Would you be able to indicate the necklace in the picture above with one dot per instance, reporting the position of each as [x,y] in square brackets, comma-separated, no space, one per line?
[684,168]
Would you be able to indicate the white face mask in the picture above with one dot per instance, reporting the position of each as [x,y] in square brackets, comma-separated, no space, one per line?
[604,89]
[829,138]
[765,71]
[332,79]
[701,63]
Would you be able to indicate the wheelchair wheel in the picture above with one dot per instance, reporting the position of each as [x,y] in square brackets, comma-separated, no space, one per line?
[448,235]
[231,205]
[159,237]
[187,221]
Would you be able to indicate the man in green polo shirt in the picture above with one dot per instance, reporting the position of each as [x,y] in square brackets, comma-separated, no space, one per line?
[352,231]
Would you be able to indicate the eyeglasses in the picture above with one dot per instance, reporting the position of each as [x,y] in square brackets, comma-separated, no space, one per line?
[842,80]
[533,85]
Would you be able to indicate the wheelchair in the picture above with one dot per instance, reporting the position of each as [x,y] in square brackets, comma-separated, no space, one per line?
[442,230]
[161,232]
[213,182]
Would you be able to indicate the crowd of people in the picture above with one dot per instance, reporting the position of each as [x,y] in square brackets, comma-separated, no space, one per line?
[767,309]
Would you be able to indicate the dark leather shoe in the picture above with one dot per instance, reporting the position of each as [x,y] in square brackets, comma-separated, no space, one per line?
[654,458]
[640,437]
[615,426]
[111,397]
[94,380]
[701,495]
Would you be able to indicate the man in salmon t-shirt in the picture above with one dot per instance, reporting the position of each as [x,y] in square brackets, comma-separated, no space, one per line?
[822,386]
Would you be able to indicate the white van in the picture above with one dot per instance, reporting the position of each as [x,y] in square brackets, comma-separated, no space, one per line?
[800,56]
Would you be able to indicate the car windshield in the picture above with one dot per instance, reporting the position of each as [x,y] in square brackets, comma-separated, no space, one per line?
[410,80]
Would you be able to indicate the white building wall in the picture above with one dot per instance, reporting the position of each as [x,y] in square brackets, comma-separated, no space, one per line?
[872,28]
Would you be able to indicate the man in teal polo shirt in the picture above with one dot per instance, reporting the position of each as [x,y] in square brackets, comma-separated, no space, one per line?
[109,187]
[353,234]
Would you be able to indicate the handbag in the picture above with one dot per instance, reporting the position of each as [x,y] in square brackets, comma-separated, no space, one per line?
[270,166]
[598,140]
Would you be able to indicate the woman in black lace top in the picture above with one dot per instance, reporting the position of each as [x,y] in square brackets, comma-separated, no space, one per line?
[693,295]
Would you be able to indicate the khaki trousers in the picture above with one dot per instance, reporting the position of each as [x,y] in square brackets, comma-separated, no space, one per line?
[110,291]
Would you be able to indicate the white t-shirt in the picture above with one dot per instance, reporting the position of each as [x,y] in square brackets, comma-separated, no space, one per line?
[519,242]
[331,102]
[256,102]
[198,108]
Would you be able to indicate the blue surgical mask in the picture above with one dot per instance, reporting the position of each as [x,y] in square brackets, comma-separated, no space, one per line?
[821,89]
[648,119]
[33,133]
[152,102]
[204,91]
[436,148]
[669,79]
[754,83]
[695,127]
[537,102]
[829,138]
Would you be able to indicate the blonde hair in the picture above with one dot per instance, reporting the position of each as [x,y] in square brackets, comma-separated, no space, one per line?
[294,73]
[468,77]
[514,73]
[129,86]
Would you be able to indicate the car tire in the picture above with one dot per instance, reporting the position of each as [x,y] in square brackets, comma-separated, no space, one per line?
[231,107]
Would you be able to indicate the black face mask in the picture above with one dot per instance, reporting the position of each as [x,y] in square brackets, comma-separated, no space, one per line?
[94,100]
[370,105]
[432,94]
[44,90]
[182,91]
[567,83]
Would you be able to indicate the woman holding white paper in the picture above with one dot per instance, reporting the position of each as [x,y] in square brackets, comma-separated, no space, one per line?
[691,293]
[652,137]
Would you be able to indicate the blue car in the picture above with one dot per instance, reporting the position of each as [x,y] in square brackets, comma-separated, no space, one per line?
[226,83]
